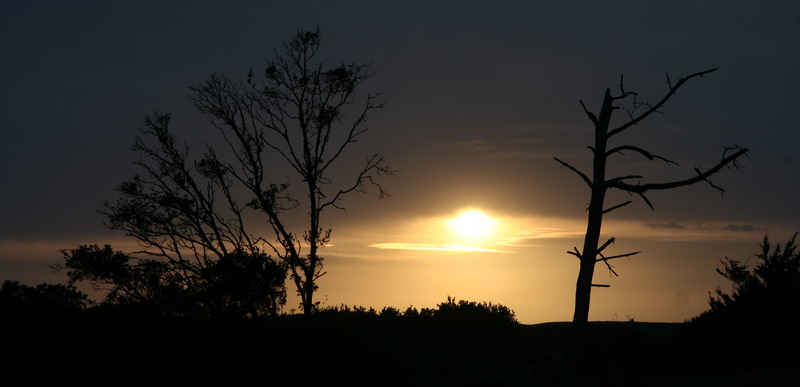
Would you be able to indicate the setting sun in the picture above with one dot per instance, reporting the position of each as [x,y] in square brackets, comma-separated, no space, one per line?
[472,225]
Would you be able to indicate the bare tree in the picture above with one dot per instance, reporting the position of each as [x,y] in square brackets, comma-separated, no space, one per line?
[301,114]
[599,184]
[307,116]
[192,234]
[173,208]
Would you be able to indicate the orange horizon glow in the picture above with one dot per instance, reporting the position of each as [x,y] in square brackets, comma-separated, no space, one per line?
[520,262]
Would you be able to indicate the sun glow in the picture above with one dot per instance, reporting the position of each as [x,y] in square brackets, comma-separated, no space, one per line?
[472,225]
[472,230]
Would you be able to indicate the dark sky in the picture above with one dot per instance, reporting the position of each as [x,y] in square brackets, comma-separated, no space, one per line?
[480,96]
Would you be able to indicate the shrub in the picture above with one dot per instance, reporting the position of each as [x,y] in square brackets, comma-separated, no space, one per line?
[45,301]
[464,311]
[765,294]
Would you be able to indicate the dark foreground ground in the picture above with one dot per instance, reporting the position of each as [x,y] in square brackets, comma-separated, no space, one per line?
[367,349]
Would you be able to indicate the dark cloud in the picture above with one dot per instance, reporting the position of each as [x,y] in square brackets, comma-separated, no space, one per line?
[476,145]
[520,154]
[524,148]
[667,225]
[527,141]
[741,228]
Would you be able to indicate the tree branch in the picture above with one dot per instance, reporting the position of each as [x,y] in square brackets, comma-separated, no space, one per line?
[641,151]
[616,256]
[610,268]
[660,103]
[641,189]
[588,113]
[621,178]
[575,253]
[623,93]
[608,242]
[581,174]
[617,206]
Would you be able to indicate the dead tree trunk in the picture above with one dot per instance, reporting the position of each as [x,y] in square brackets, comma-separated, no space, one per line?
[583,290]
[599,184]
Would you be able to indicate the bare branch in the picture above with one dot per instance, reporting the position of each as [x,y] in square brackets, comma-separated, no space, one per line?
[641,189]
[641,151]
[575,253]
[617,256]
[608,242]
[581,174]
[588,113]
[621,178]
[735,162]
[374,165]
[610,268]
[623,94]
[718,188]
[660,103]
[617,206]
[646,200]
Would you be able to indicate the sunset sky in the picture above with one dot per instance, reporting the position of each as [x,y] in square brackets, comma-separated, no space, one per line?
[480,96]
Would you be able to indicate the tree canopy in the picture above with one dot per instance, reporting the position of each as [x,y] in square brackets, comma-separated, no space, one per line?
[764,292]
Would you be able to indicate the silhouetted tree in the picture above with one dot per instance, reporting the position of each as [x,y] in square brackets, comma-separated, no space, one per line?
[186,219]
[193,214]
[768,292]
[599,184]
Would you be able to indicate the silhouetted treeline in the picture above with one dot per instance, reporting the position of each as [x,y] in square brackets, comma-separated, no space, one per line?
[105,345]
[237,284]
[452,310]
[44,301]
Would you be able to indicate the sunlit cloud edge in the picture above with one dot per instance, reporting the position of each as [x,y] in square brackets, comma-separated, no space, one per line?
[447,247]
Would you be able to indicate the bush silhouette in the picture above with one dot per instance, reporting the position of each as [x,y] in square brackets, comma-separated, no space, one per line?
[241,284]
[237,285]
[759,315]
[451,311]
[766,292]
[45,301]
[474,312]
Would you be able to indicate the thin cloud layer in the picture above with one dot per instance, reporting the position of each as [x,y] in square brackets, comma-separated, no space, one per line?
[664,225]
[741,228]
[453,247]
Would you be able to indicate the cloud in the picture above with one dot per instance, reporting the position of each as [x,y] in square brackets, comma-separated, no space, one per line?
[435,247]
[515,148]
[557,127]
[527,140]
[707,228]
[518,154]
[533,237]
[477,145]
[667,225]
[740,228]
